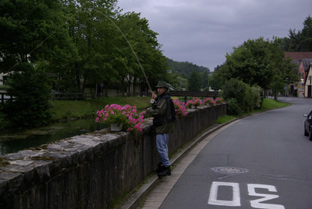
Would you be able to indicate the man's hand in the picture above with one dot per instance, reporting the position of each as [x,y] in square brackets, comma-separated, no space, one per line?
[149,111]
[154,96]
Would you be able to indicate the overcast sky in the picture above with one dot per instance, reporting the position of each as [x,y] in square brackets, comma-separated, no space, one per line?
[203,31]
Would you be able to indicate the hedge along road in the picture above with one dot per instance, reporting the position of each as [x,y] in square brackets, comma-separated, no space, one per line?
[263,161]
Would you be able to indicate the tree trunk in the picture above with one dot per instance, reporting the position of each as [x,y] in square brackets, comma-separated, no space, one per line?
[84,84]
[129,85]
[78,82]
[106,89]
[275,95]
[134,83]
[123,85]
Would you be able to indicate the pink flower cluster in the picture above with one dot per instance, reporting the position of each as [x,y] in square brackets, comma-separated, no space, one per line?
[195,102]
[135,122]
[219,100]
[179,107]
[126,115]
[209,101]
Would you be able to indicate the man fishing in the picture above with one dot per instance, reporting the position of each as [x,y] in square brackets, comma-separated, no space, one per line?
[164,117]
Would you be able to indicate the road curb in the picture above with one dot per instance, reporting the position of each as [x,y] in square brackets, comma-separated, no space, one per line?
[138,196]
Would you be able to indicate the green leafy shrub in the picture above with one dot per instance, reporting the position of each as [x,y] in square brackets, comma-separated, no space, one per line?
[257,96]
[234,108]
[31,107]
[241,98]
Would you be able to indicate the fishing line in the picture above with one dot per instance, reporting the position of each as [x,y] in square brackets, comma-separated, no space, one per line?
[40,44]
[142,69]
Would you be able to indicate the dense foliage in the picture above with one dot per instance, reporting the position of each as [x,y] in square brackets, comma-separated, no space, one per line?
[31,109]
[258,62]
[188,76]
[185,68]
[300,41]
[215,81]
[241,97]
[251,68]
[194,81]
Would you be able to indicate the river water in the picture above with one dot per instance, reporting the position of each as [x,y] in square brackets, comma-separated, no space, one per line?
[13,141]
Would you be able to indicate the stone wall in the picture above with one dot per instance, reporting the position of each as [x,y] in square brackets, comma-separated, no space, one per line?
[92,170]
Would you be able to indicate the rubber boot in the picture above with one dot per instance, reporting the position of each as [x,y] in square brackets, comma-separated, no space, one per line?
[166,171]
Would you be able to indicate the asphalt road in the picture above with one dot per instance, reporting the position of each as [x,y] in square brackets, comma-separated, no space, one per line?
[263,161]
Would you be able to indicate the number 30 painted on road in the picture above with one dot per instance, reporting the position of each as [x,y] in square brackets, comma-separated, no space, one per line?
[213,197]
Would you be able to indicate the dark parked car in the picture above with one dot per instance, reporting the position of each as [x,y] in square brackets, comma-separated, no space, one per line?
[308,125]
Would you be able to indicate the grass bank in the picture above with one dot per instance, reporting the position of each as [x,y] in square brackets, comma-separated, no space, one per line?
[268,104]
[78,109]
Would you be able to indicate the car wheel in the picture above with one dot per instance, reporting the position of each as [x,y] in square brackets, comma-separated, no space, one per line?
[305,132]
[310,135]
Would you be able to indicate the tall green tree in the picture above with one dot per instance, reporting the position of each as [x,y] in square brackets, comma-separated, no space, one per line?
[104,39]
[306,33]
[93,34]
[31,108]
[215,79]
[146,48]
[249,63]
[205,81]
[300,41]
[194,81]
[257,62]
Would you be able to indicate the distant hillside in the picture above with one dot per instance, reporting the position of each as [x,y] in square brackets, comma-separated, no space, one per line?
[185,68]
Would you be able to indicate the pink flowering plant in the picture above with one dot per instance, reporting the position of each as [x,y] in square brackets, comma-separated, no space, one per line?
[126,115]
[220,100]
[135,122]
[209,101]
[195,101]
[179,107]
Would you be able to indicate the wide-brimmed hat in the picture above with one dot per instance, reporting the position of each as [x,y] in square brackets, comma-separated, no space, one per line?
[162,84]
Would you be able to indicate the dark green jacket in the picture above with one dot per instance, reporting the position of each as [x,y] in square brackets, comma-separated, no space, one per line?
[158,111]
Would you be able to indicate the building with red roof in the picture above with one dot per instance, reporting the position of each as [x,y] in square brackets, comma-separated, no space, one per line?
[304,60]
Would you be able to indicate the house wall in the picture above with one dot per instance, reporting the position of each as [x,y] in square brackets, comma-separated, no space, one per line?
[300,90]
[300,85]
[136,88]
[112,92]
[92,170]
[308,84]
